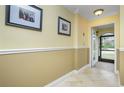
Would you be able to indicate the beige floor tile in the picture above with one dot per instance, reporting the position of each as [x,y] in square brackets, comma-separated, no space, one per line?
[100,76]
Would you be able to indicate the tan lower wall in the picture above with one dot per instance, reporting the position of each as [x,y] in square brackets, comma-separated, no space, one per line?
[35,69]
[122,67]
[38,68]
[81,57]
[118,60]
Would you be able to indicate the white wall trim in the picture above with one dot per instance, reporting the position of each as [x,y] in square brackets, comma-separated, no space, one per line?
[29,50]
[121,49]
[59,80]
[66,76]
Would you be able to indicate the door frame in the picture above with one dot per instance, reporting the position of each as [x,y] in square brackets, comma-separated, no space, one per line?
[90,41]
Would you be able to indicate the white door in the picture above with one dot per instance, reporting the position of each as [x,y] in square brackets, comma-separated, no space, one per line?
[94,50]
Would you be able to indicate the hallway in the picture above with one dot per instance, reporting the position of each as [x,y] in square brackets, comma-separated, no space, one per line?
[50,44]
[100,76]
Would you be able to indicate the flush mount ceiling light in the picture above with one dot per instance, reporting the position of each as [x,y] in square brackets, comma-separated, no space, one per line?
[98,12]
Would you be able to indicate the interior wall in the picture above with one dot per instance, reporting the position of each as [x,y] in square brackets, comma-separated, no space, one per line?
[81,27]
[11,37]
[81,41]
[40,68]
[103,31]
[81,57]
[121,55]
[34,69]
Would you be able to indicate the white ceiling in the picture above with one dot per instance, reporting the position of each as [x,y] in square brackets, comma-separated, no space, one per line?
[87,10]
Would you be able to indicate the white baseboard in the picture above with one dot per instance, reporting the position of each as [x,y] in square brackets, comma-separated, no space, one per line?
[84,67]
[59,80]
[66,76]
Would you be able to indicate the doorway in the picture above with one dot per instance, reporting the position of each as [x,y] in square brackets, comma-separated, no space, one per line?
[103,45]
[107,51]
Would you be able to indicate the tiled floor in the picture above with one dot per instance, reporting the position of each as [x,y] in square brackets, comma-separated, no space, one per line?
[100,76]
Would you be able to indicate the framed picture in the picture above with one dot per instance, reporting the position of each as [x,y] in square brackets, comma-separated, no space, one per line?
[24,16]
[64,26]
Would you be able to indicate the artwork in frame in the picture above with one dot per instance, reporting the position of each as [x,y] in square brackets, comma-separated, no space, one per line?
[64,26]
[24,16]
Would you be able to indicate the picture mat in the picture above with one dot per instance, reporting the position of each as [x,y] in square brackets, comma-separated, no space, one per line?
[68,25]
[14,16]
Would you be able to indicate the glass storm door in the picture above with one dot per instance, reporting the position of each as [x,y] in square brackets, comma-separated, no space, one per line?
[94,49]
[107,52]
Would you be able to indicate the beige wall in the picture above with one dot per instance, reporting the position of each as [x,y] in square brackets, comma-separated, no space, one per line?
[11,37]
[81,57]
[106,30]
[35,69]
[81,27]
[118,59]
[121,26]
[40,68]
[80,42]
[121,44]
[122,68]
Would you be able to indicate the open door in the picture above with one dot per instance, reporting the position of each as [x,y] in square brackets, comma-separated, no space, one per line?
[107,51]
[94,48]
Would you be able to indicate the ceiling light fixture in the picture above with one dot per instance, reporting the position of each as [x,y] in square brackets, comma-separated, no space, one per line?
[98,12]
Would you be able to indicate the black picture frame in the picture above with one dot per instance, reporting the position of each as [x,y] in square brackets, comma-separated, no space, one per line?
[8,17]
[67,27]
